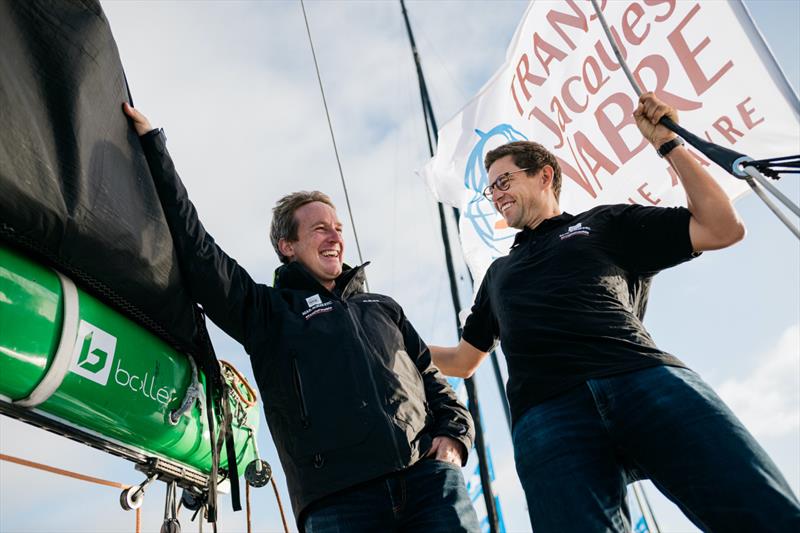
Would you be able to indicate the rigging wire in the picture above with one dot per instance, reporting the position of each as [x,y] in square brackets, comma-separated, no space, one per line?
[73,475]
[443,65]
[431,127]
[492,516]
[333,137]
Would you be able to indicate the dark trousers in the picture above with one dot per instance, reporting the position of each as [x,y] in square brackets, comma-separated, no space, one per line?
[576,453]
[428,497]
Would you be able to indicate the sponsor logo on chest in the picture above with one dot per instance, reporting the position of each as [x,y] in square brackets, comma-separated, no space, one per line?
[316,307]
[577,229]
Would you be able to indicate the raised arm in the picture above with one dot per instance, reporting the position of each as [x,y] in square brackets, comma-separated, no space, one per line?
[459,361]
[226,291]
[714,223]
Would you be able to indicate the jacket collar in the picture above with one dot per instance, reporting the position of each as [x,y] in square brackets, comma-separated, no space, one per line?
[545,226]
[296,276]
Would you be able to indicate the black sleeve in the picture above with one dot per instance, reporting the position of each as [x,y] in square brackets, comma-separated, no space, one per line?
[650,239]
[481,329]
[451,417]
[226,291]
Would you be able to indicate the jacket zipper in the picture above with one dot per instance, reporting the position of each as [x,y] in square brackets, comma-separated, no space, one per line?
[298,387]
[360,333]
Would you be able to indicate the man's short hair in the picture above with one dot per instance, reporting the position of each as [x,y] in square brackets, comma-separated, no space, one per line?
[284,223]
[528,154]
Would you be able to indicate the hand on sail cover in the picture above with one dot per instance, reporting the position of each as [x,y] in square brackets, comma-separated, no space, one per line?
[140,122]
[649,111]
[446,449]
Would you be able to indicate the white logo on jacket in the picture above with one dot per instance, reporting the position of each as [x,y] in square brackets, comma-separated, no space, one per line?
[317,309]
[577,229]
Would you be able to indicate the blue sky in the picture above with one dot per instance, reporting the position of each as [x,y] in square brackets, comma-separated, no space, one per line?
[234,86]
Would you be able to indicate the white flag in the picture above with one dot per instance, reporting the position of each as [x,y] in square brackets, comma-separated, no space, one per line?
[561,86]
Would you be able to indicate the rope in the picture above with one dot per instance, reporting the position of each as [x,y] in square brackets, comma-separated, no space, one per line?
[236,379]
[74,475]
[59,471]
[776,166]
[789,160]
[193,392]
[280,505]
[247,506]
[333,137]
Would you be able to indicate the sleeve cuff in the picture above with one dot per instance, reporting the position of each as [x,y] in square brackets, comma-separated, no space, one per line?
[480,344]
[152,133]
[154,141]
[458,432]
[466,445]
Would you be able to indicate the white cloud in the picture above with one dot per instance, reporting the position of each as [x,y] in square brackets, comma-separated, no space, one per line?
[768,399]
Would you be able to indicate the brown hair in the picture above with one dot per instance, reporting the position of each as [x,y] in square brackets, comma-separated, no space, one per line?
[528,154]
[284,223]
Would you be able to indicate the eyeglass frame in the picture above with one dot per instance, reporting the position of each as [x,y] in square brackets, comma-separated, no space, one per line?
[488,191]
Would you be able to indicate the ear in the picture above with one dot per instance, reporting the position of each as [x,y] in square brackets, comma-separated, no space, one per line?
[286,248]
[547,176]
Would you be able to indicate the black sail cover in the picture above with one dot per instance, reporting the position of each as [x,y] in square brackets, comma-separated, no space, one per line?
[75,189]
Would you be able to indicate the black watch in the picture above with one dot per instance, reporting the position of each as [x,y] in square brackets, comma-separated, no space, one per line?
[669,146]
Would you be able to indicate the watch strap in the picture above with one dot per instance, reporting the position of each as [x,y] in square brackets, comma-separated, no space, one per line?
[669,146]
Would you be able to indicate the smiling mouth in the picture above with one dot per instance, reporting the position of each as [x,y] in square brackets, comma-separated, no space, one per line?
[505,206]
[330,254]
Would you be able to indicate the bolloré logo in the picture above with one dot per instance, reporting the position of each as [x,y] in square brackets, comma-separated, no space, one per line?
[145,385]
[93,358]
[93,353]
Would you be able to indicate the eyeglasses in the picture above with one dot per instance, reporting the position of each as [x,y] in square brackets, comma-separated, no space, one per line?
[502,183]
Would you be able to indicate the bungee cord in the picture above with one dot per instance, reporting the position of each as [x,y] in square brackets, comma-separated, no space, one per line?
[333,138]
[777,165]
[738,165]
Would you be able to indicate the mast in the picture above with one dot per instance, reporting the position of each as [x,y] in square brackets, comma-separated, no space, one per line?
[472,391]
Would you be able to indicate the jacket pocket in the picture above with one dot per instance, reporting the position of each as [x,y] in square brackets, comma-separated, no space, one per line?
[412,408]
[328,410]
[301,398]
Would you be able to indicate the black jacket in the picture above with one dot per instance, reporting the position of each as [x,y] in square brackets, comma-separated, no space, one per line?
[349,390]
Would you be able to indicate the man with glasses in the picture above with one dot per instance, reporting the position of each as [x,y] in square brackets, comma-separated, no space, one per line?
[595,403]
[370,435]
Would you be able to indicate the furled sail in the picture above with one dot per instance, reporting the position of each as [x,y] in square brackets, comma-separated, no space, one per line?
[75,189]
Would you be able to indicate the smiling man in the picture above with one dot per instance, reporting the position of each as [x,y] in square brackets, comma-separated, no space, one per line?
[370,435]
[595,403]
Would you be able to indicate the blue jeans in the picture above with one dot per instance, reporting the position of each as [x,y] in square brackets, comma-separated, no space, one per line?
[429,496]
[576,453]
